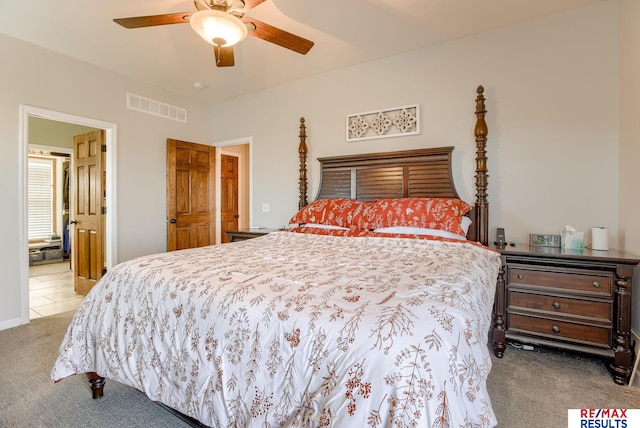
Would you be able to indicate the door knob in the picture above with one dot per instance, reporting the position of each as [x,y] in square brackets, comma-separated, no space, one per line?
[172,221]
[73,222]
[236,216]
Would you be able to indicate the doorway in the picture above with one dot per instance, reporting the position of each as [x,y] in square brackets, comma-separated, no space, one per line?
[229,206]
[50,275]
[240,151]
[27,114]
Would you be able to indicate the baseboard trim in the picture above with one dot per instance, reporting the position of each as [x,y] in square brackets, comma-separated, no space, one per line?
[13,323]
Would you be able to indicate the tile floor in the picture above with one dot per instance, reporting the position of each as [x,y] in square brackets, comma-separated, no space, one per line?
[51,290]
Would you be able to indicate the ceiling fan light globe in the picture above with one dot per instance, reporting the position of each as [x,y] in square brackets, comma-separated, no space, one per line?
[215,26]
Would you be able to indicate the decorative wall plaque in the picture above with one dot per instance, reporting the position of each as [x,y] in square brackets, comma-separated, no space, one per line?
[393,122]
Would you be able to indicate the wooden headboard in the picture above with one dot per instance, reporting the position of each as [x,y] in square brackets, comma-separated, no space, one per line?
[402,174]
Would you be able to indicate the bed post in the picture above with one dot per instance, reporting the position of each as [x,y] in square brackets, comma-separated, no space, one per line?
[482,206]
[97,384]
[302,152]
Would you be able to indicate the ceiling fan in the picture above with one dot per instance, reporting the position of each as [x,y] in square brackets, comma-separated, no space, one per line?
[222,23]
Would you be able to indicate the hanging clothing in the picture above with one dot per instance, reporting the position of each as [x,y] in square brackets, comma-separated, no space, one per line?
[65,186]
[66,245]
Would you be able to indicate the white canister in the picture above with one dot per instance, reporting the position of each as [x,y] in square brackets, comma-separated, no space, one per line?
[600,238]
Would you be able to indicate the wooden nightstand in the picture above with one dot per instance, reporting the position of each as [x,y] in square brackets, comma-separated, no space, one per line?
[242,234]
[577,300]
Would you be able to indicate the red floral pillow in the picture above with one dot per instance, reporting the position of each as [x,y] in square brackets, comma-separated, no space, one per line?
[332,211]
[430,213]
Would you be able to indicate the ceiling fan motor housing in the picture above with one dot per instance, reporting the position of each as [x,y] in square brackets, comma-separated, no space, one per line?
[218,28]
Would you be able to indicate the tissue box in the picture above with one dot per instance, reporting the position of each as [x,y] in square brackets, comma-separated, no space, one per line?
[572,240]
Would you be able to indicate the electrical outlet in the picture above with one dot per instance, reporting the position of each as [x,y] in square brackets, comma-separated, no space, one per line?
[265,207]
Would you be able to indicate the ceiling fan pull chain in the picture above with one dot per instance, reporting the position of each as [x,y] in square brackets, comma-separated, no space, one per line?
[216,50]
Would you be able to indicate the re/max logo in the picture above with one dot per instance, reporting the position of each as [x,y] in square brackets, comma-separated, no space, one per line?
[603,418]
[603,413]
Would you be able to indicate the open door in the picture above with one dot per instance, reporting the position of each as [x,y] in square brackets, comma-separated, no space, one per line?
[88,210]
[190,195]
[228,195]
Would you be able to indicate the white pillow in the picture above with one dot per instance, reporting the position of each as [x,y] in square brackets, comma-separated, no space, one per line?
[323,226]
[419,231]
[465,223]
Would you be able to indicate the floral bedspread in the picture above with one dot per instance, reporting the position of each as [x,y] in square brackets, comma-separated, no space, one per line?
[298,330]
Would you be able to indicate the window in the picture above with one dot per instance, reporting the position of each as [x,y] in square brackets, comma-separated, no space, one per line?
[41,197]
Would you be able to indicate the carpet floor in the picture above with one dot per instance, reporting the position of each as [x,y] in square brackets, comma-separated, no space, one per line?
[527,388]
[28,397]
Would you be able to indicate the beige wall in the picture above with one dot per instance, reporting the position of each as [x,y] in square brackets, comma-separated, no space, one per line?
[43,132]
[552,100]
[629,14]
[39,78]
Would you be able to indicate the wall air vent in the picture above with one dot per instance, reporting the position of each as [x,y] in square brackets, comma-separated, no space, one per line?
[156,108]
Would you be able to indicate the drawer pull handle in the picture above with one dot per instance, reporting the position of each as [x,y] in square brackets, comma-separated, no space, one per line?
[520,276]
[556,305]
[555,329]
[596,284]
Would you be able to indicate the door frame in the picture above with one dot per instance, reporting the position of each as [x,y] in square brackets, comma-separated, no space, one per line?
[242,209]
[111,246]
[220,145]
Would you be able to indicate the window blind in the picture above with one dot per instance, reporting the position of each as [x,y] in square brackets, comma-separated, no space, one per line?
[40,198]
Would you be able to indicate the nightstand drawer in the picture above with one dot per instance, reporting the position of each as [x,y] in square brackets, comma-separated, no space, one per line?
[587,309]
[572,282]
[584,334]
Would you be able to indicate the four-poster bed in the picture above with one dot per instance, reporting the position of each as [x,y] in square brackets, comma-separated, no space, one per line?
[372,309]
[403,174]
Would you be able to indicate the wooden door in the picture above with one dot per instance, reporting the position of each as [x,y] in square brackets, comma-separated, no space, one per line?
[190,195]
[87,210]
[228,195]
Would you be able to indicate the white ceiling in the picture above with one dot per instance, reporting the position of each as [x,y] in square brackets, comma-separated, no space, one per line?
[345,32]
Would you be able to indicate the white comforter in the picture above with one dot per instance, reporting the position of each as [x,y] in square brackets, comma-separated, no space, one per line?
[298,330]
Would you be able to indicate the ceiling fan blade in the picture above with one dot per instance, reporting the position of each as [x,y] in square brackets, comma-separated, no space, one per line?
[250,4]
[279,37]
[152,20]
[224,56]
